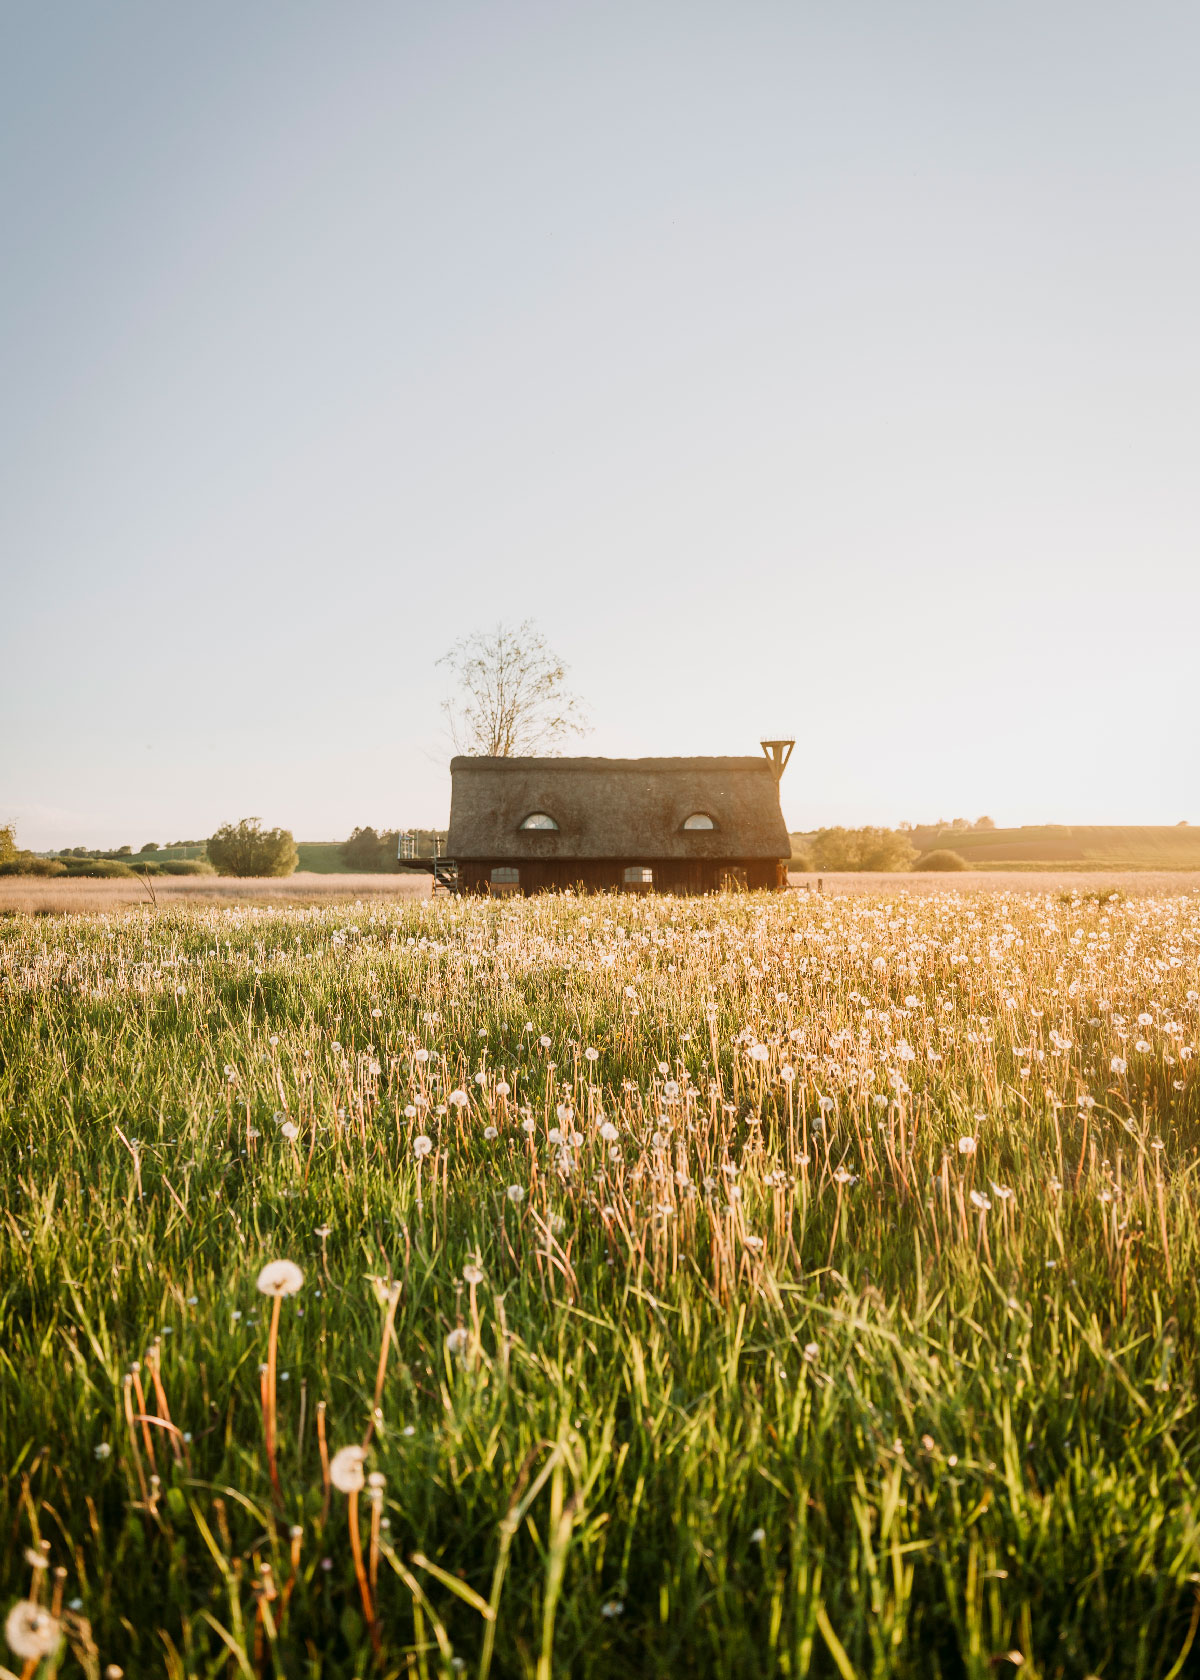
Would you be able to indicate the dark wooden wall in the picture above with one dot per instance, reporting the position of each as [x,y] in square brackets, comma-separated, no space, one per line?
[671,875]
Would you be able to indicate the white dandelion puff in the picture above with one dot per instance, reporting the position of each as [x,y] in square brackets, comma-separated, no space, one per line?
[280,1277]
[31,1632]
[346,1469]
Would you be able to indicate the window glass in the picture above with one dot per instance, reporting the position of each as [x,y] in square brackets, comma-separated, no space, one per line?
[500,874]
[637,875]
[699,819]
[539,819]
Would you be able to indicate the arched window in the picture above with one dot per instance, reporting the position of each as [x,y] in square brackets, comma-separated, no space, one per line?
[699,819]
[539,819]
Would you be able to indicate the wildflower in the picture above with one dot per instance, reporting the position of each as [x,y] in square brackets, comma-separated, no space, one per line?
[544,1041]
[410,1112]
[456,1343]
[346,1469]
[502,1088]
[1144,1020]
[759,1053]
[420,1055]
[422,1145]
[376,1014]
[102,1450]
[841,1176]
[490,1132]
[529,1125]
[608,1132]
[32,1632]
[980,1201]
[757,1538]
[592,1055]
[280,1277]
[459,1099]
[966,1146]
[473,1273]
[1118,1064]
[670,1090]
[290,1130]
[614,1607]
[515,1193]
[1142,1046]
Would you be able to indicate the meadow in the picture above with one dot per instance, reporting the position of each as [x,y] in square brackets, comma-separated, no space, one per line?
[31,895]
[780,1285]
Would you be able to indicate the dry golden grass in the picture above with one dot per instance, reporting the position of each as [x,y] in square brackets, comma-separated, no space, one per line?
[64,897]
[1135,883]
[35,897]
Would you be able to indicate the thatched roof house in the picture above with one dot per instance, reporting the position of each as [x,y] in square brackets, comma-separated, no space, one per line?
[671,824]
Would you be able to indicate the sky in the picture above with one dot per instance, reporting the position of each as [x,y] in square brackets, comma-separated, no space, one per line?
[828,371]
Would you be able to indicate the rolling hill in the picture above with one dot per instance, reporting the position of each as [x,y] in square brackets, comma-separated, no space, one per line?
[1057,846]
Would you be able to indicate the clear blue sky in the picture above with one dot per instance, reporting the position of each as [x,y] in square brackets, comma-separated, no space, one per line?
[831,370]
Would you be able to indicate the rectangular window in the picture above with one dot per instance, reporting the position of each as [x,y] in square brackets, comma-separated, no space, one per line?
[505,877]
[639,876]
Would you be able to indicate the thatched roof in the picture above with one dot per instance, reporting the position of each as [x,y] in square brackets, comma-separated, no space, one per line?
[632,808]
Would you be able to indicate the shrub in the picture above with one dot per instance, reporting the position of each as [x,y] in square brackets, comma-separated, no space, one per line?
[98,869]
[941,859]
[247,848]
[861,848]
[24,863]
[370,852]
[150,846]
[186,866]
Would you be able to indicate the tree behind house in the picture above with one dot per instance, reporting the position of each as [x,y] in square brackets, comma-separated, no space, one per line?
[510,694]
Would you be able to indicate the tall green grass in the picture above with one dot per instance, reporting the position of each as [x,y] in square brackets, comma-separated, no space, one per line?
[866,1346]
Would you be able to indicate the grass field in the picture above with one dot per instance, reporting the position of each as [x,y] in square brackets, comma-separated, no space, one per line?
[28,895]
[771,1285]
[1059,847]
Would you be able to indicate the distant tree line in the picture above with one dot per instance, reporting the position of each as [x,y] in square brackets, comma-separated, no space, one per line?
[882,850]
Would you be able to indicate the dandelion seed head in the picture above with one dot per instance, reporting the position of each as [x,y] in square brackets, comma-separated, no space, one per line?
[31,1631]
[346,1469]
[280,1277]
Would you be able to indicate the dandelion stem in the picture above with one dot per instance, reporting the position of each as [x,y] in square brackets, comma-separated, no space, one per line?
[269,1407]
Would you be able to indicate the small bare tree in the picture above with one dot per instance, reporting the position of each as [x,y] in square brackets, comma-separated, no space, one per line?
[510,695]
